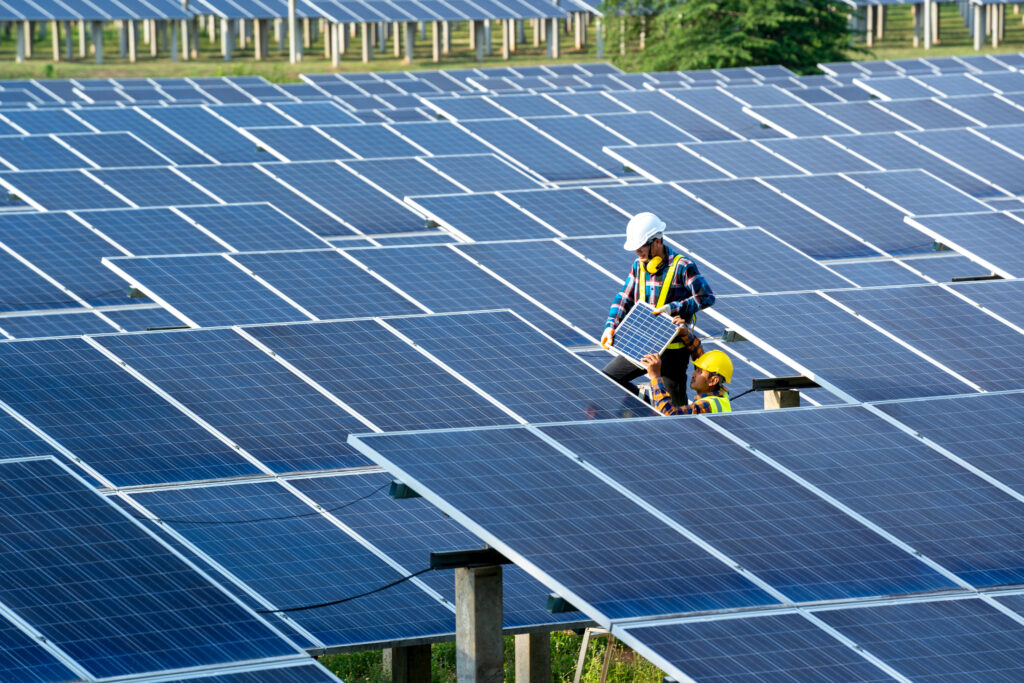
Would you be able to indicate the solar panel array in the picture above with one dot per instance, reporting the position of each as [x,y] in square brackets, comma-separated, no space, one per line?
[428,257]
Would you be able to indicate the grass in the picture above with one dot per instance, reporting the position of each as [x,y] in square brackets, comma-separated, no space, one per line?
[626,667]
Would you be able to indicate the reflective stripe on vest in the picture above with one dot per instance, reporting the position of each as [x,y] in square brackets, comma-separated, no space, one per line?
[719,404]
[663,294]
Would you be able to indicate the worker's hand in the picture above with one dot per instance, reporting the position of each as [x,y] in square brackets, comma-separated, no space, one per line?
[667,308]
[607,339]
[679,321]
[652,362]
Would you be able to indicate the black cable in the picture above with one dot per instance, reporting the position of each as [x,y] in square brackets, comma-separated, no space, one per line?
[733,398]
[98,295]
[301,608]
[262,519]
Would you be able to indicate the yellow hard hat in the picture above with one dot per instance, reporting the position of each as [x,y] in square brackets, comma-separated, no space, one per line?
[716,361]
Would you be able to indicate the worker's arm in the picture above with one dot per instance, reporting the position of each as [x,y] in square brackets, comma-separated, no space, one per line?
[691,342]
[694,292]
[623,301]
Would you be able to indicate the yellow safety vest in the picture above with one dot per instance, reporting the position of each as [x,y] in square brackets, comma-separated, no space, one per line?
[719,404]
[663,294]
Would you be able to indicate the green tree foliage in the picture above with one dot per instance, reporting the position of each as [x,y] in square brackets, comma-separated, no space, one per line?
[708,34]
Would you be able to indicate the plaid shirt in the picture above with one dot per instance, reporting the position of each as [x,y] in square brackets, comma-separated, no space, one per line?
[663,402]
[689,292]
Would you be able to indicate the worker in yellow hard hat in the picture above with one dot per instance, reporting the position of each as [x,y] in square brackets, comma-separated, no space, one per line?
[711,372]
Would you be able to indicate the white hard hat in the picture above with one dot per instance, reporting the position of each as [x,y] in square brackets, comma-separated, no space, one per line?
[641,229]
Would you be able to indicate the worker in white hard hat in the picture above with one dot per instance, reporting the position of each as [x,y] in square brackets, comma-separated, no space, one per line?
[672,284]
[711,372]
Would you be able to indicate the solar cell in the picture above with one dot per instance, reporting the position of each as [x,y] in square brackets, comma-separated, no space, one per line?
[680,210]
[818,155]
[897,482]
[128,590]
[246,395]
[250,115]
[360,205]
[403,177]
[234,225]
[440,137]
[584,136]
[977,155]
[666,162]
[571,211]
[989,238]
[856,210]
[1006,81]
[245,183]
[168,144]
[642,127]
[482,474]
[725,110]
[587,103]
[675,113]
[59,190]
[999,297]
[748,649]
[481,217]
[917,192]
[371,142]
[36,152]
[894,88]
[301,559]
[151,186]
[207,289]
[481,172]
[832,345]
[742,159]
[212,135]
[886,272]
[532,149]
[1011,137]
[927,114]
[759,95]
[21,658]
[299,143]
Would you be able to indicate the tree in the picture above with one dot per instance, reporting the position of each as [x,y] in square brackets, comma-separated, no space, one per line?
[707,34]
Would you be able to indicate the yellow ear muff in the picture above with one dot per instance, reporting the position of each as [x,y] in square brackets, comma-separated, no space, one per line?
[653,265]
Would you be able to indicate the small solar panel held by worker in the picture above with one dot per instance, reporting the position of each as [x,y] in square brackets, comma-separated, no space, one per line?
[641,332]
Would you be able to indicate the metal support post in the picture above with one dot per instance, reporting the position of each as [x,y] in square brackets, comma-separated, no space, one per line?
[915,14]
[55,36]
[979,27]
[926,24]
[242,32]
[69,42]
[19,55]
[435,41]
[293,55]
[506,39]
[343,30]
[154,38]
[410,40]
[520,31]
[478,637]
[227,38]
[97,40]
[307,33]
[133,39]
[259,39]
[781,398]
[367,48]
[83,41]
[423,30]
[472,34]
[382,37]
[869,33]
[488,31]
[446,37]
[409,664]
[554,39]
[533,658]
[935,23]
[478,39]
[535,24]
[880,24]
[186,42]
[174,40]
[599,31]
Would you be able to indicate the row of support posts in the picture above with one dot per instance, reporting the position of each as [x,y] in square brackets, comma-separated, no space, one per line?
[988,20]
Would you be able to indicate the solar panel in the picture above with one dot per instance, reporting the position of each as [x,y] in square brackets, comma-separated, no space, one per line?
[481,217]
[243,183]
[642,127]
[675,113]
[945,266]
[927,114]
[207,289]
[23,658]
[538,153]
[142,318]
[36,152]
[990,238]
[168,144]
[879,273]
[130,590]
[831,344]
[799,121]
[440,137]
[759,95]
[246,395]
[59,190]
[666,162]
[403,177]
[989,110]
[234,223]
[42,121]
[819,155]
[1011,137]
[724,110]
[679,210]
[1006,82]
[250,115]
[152,186]
[917,192]
[894,88]
[582,135]
[976,155]
[25,289]
[641,333]
[953,85]
[587,103]
[299,143]
[481,172]
[212,135]
[998,297]
[54,324]
[571,211]
[314,113]
[742,159]
[370,142]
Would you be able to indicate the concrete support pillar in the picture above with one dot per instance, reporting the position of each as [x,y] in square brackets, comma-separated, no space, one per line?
[520,31]
[154,38]
[293,48]
[174,41]
[643,32]
[227,38]
[435,41]
[533,658]
[333,38]
[186,40]
[97,40]
[83,41]
[69,42]
[446,37]
[410,41]
[396,34]
[477,31]
[478,637]
[536,31]
[869,33]
[926,24]
[915,16]
[407,664]
[488,32]
[55,36]
[599,31]
[979,27]
[554,48]
[343,31]
[577,25]
[472,33]
[26,28]
[307,33]
[279,34]
[259,39]
[133,39]
[935,24]
[506,39]
[781,398]
[880,24]
[195,37]
[996,20]
[382,37]
[367,48]
[122,38]
[19,55]
[241,29]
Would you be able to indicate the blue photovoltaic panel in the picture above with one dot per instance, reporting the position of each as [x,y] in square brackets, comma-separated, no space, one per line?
[371,142]
[410,268]
[413,238]
[976,155]
[1001,297]
[583,136]
[110,150]
[299,143]
[380,376]
[643,128]
[864,117]
[981,429]
[56,324]
[535,151]
[886,272]
[760,95]
[700,127]
[894,152]
[856,210]
[250,115]
[24,289]
[315,278]
[482,217]
[753,649]
[679,211]
[995,238]
[743,253]
[37,152]
[572,211]
[403,177]
[945,266]
[805,547]
[208,289]
[535,377]
[146,130]
[931,319]
[742,159]
[940,640]
[641,333]
[800,121]
[22,659]
[587,102]
[302,559]
[462,108]
[246,395]
[315,113]
[67,251]
[897,482]
[151,232]
[58,190]
[152,186]
[895,88]
[530,267]
[833,345]
[440,137]
[725,111]
[305,673]
[19,442]
[817,155]
[813,95]
[98,600]
[108,419]
[361,205]
[482,172]
[407,530]
[253,227]
[927,114]
[1007,136]
[917,192]
[954,85]
[989,110]
[577,522]
[1004,81]
[528,105]
[667,163]
[41,121]
[142,318]
[210,134]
